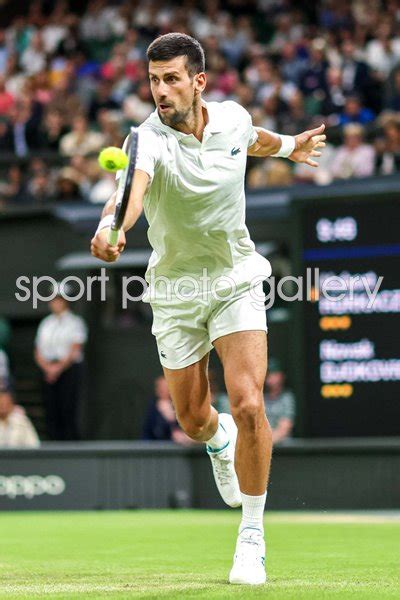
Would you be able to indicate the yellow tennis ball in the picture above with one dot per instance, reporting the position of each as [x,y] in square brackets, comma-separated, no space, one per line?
[113,159]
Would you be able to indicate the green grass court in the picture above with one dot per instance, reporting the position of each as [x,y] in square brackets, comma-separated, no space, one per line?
[187,554]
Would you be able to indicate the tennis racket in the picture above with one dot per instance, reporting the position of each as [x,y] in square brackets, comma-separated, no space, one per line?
[124,187]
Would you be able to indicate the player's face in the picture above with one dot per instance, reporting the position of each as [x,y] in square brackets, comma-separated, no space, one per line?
[174,90]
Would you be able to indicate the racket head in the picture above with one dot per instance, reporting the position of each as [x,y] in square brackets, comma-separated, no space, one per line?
[124,187]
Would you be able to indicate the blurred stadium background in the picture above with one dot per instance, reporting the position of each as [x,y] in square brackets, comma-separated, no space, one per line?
[72,80]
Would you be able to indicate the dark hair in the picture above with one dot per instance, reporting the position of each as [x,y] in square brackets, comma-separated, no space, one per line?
[171,45]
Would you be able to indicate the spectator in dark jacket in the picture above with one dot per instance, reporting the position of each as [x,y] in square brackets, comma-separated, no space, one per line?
[355,112]
[161,423]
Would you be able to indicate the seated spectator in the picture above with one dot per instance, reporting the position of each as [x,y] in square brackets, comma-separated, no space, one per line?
[110,127]
[388,149]
[292,65]
[41,187]
[313,80]
[53,130]
[393,94]
[81,140]
[354,158]
[102,99]
[279,403]
[294,118]
[6,99]
[65,100]
[355,112]
[16,430]
[383,52]
[335,100]
[244,95]
[161,423]
[21,135]
[355,73]
[39,88]
[271,172]
[102,187]
[67,186]
[137,107]
[33,59]
[13,189]
[323,175]
[4,51]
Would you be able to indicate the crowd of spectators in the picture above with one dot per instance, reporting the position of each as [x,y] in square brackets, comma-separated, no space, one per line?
[73,80]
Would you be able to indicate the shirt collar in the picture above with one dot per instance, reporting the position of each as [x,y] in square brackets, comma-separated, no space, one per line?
[214,119]
[213,125]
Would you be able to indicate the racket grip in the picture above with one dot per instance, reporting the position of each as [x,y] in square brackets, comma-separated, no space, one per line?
[113,236]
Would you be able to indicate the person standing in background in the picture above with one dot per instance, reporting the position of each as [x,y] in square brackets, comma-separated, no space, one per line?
[59,354]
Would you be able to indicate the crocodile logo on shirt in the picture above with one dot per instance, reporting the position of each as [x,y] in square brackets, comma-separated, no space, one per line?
[163,354]
[235,151]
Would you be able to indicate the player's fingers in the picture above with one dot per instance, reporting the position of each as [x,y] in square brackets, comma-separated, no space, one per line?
[311,163]
[320,145]
[315,153]
[317,131]
[318,139]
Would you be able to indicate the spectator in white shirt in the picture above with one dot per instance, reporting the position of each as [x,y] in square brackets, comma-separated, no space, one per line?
[59,354]
[16,430]
[81,140]
[354,158]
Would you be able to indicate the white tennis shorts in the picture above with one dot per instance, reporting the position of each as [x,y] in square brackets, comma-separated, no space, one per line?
[185,330]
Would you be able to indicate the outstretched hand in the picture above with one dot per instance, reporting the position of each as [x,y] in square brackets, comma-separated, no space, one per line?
[307,144]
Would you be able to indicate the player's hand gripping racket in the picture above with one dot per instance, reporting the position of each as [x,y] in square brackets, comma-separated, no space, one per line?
[124,187]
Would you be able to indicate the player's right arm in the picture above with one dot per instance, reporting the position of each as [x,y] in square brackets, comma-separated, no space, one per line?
[99,245]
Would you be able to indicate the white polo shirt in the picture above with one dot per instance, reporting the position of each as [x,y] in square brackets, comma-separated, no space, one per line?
[17,431]
[57,334]
[195,202]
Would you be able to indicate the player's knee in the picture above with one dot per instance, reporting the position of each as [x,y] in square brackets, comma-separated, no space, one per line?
[194,425]
[248,411]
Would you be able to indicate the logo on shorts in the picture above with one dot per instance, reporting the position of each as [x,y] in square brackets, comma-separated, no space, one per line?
[163,354]
[235,151]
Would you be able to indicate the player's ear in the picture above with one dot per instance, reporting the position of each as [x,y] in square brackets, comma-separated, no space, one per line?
[200,81]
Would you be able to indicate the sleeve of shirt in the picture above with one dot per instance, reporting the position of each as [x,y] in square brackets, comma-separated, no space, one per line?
[245,118]
[148,152]
[38,336]
[80,331]
[253,135]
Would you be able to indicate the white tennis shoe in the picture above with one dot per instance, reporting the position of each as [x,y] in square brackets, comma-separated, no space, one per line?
[223,464]
[249,560]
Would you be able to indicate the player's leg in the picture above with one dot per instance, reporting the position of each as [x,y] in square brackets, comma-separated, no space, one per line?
[184,344]
[244,358]
[190,392]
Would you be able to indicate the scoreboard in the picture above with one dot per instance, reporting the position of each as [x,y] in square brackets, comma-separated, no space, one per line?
[348,255]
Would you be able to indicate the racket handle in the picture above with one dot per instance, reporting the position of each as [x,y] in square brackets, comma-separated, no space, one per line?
[113,236]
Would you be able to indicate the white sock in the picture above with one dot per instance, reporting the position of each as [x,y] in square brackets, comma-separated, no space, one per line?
[219,440]
[252,512]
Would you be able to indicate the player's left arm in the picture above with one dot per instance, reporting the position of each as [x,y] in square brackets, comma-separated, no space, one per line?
[301,148]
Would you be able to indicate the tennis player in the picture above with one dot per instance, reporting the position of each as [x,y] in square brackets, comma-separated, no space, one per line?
[204,275]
